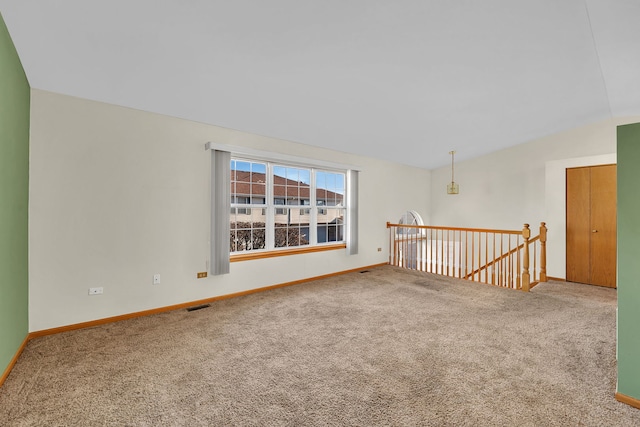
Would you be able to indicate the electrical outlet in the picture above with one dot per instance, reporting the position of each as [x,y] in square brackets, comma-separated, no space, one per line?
[156,279]
[96,291]
[202,275]
[379,249]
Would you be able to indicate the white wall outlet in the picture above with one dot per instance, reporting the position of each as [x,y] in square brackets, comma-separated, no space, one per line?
[156,279]
[96,291]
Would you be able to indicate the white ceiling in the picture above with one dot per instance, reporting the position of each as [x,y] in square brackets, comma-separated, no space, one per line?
[402,80]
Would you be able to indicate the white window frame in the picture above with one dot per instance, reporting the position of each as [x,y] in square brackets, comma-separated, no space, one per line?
[273,209]
[221,206]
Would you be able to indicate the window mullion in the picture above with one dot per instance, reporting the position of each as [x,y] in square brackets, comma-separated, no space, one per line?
[313,218]
[270,218]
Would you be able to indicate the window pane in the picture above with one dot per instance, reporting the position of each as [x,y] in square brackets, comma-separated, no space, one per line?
[292,227]
[259,168]
[340,183]
[305,176]
[330,233]
[321,197]
[301,216]
[330,188]
[292,174]
[330,225]
[291,184]
[321,179]
[293,195]
[279,193]
[240,165]
[248,182]
[247,229]
[281,173]
[259,191]
[339,190]
[258,179]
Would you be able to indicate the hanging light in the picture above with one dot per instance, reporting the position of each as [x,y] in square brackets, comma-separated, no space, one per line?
[452,188]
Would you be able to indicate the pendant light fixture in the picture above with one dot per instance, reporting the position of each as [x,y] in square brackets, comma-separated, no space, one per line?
[452,188]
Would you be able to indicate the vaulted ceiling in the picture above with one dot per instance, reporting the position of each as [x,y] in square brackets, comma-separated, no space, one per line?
[402,80]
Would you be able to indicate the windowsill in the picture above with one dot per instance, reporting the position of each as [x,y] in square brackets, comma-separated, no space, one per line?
[285,252]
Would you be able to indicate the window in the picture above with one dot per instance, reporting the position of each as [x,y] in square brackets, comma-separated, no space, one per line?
[262,204]
[248,196]
[277,206]
[330,189]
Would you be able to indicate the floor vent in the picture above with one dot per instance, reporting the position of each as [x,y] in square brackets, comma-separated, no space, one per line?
[198,307]
[364,271]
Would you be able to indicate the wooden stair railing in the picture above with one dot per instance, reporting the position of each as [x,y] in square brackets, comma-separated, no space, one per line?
[497,257]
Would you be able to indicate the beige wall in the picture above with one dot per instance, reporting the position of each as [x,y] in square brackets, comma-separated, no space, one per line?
[523,184]
[117,195]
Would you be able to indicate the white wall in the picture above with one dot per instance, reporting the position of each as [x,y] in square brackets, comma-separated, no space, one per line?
[117,195]
[523,184]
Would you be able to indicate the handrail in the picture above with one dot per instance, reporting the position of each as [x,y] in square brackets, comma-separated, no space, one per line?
[503,256]
[439,227]
[493,256]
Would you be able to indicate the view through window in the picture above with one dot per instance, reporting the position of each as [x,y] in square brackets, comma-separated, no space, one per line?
[282,206]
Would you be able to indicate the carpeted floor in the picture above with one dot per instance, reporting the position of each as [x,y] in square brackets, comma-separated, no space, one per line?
[387,347]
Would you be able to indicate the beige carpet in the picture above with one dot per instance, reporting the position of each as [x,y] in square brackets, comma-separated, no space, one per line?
[387,347]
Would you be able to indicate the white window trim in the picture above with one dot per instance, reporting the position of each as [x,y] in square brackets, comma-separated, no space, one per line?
[271,206]
[267,156]
[220,255]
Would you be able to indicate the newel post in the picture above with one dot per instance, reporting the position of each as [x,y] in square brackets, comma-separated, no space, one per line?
[526,279]
[543,252]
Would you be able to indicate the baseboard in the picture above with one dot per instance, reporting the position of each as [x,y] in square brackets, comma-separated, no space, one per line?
[628,400]
[13,361]
[105,320]
[556,279]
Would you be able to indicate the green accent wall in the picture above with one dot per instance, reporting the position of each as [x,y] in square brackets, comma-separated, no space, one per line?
[15,95]
[629,260]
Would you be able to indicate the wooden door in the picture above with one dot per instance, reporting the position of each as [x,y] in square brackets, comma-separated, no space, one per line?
[591,225]
[579,225]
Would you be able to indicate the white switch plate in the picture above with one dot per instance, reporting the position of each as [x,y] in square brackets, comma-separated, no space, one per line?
[156,279]
[96,291]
